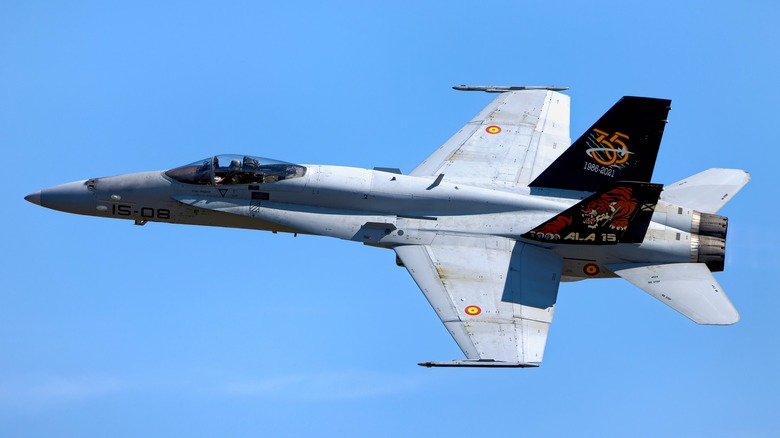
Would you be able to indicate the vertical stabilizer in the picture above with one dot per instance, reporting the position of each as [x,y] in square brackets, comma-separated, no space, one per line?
[619,214]
[621,146]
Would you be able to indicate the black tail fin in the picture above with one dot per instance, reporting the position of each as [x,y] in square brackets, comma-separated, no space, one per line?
[621,146]
[619,214]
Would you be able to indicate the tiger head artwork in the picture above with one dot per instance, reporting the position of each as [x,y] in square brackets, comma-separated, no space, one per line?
[613,208]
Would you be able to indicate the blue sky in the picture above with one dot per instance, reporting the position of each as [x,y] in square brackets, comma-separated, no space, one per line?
[108,329]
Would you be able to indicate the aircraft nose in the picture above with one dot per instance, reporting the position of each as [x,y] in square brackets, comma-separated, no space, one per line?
[72,197]
[35,198]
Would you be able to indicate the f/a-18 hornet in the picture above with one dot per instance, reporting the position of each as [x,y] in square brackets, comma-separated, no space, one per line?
[488,225]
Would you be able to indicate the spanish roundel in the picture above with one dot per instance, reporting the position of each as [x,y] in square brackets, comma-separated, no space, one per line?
[473,310]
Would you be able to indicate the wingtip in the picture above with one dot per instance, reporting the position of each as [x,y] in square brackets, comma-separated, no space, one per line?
[505,88]
[480,363]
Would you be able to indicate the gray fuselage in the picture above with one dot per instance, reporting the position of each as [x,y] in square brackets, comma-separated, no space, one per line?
[374,207]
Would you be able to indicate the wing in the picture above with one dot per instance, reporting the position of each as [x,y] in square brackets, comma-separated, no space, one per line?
[495,296]
[511,141]
[689,288]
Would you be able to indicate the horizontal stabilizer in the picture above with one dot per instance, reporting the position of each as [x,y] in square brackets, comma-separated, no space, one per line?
[689,288]
[707,191]
[620,214]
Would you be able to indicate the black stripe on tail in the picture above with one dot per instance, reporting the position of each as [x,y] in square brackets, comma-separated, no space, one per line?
[619,214]
[621,146]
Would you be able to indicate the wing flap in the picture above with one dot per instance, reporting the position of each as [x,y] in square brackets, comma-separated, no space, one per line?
[689,288]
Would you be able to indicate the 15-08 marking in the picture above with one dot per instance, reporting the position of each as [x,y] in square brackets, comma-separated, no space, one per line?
[146,212]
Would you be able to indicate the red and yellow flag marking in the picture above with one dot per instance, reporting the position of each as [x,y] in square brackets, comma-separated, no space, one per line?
[473,310]
[591,269]
[493,129]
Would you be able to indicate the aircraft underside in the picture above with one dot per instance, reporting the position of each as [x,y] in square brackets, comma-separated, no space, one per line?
[487,226]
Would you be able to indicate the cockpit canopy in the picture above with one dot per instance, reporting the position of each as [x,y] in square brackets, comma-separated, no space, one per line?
[235,169]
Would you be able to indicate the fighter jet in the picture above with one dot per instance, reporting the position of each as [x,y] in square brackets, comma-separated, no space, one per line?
[487,226]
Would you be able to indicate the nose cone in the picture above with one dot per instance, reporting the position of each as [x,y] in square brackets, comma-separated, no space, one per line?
[72,197]
[35,198]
